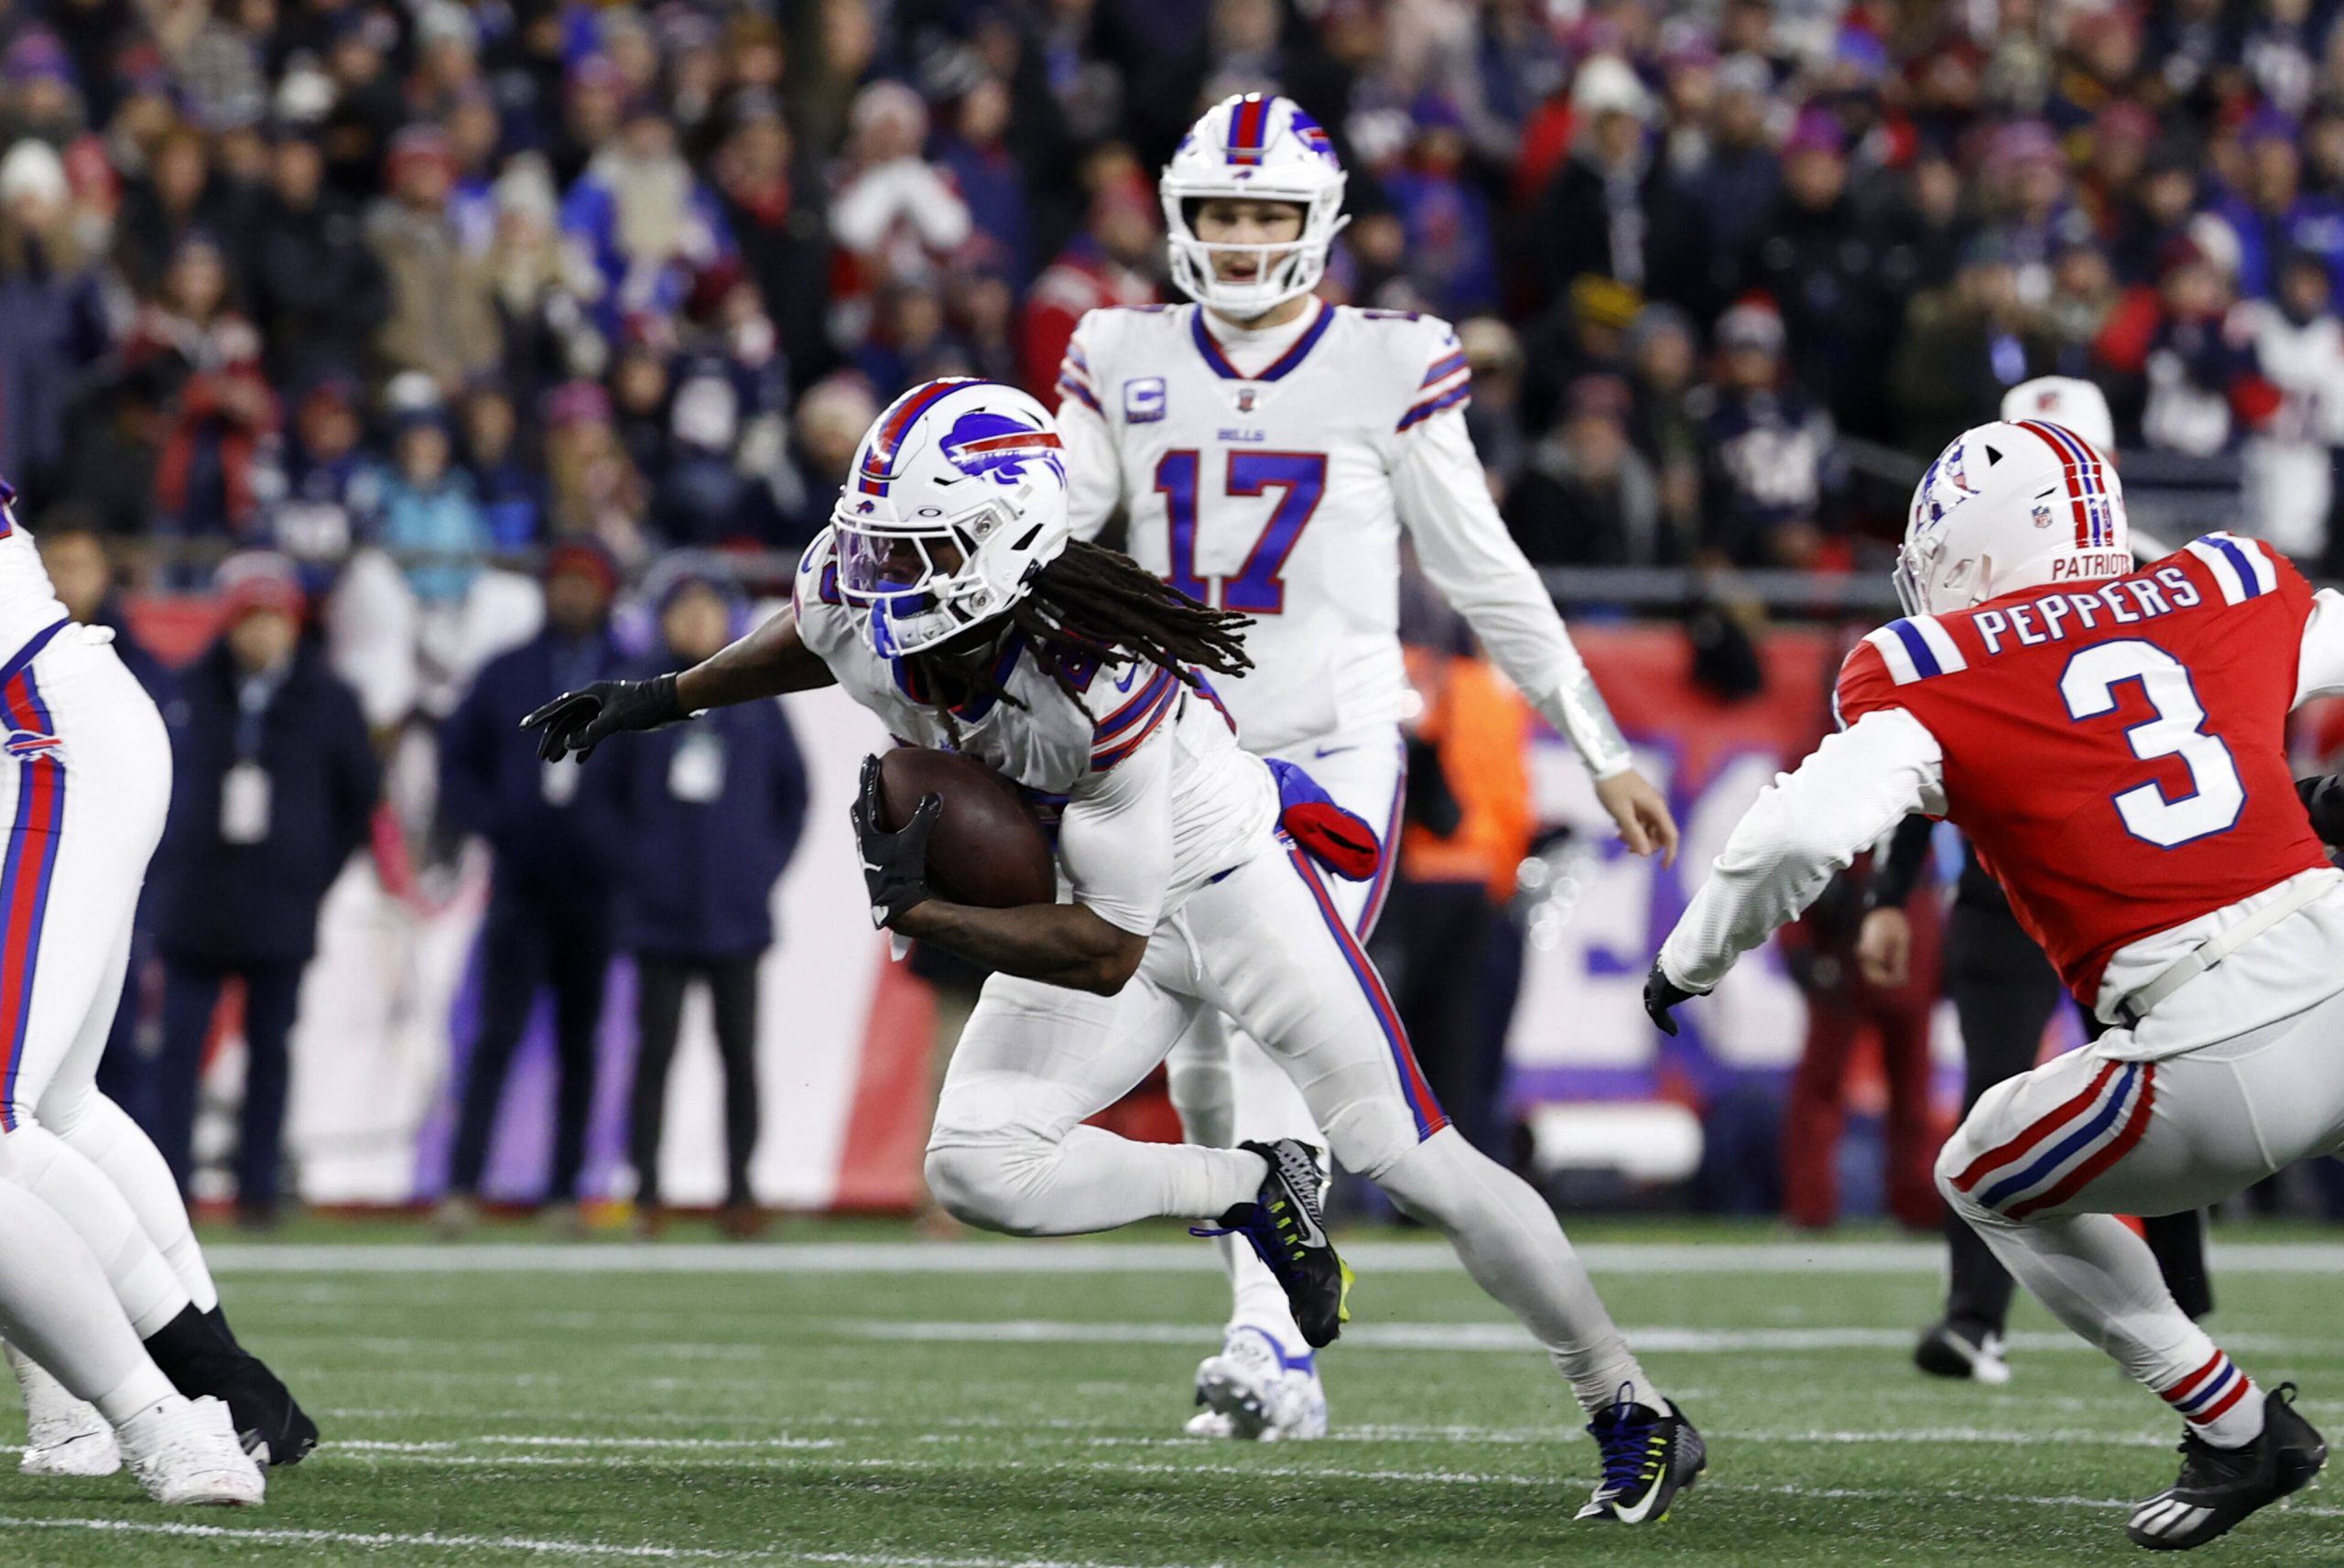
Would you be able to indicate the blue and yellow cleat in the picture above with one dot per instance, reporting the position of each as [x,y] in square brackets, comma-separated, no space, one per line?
[1648,1458]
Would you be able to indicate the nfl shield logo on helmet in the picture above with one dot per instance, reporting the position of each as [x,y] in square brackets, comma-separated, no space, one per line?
[2042,518]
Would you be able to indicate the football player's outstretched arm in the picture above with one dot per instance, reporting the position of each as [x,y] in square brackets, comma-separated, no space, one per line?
[1115,842]
[1803,831]
[1465,549]
[769,661]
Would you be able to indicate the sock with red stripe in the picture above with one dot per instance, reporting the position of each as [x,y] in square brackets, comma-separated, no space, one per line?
[2211,1393]
[2099,1279]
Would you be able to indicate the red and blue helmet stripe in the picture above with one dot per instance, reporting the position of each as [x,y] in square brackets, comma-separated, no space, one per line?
[1249,128]
[2088,497]
[879,455]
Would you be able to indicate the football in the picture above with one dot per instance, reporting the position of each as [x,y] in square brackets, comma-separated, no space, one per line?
[986,850]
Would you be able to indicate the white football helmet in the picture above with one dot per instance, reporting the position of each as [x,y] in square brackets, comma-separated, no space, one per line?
[1264,149]
[2065,400]
[957,497]
[2011,505]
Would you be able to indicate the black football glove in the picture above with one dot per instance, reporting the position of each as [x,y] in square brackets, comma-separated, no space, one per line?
[1661,993]
[895,865]
[2323,799]
[581,720]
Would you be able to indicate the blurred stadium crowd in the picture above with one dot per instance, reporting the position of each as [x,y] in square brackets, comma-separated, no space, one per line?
[459,280]
[434,301]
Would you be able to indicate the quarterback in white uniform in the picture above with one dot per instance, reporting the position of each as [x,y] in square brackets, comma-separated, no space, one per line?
[949,597]
[96,1254]
[1266,450]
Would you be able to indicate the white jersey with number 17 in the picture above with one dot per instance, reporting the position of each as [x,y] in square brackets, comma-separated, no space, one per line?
[1279,490]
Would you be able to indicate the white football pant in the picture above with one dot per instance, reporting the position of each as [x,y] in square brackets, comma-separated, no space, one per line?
[85,781]
[1224,1085]
[2045,1160]
[1268,945]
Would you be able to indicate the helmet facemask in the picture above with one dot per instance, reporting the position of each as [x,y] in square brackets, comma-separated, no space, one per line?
[922,579]
[1288,268]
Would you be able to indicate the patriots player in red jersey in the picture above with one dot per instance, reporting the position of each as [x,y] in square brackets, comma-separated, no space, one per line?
[2112,740]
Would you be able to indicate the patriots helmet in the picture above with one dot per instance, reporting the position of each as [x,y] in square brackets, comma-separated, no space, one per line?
[957,499]
[2010,505]
[1260,147]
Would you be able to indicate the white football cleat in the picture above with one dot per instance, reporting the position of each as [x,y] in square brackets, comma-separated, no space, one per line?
[1252,1392]
[186,1452]
[63,1435]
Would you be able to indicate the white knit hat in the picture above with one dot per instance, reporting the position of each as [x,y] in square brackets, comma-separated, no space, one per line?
[32,168]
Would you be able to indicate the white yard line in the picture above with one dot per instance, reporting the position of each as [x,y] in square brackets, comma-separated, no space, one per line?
[267,1536]
[1787,1257]
[1506,1338]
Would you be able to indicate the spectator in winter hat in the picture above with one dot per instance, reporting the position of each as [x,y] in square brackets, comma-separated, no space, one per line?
[428,516]
[317,288]
[52,316]
[975,152]
[1736,185]
[2290,453]
[1452,253]
[1963,346]
[2195,387]
[556,844]
[543,290]
[204,358]
[41,100]
[1772,464]
[641,212]
[2154,212]
[369,106]
[1588,497]
[895,214]
[1833,269]
[1113,261]
[440,320]
[778,229]
[272,788]
[1605,210]
[594,489]
[2273,215]
[331,486]
[1663,363]
[512,492]
[593,106]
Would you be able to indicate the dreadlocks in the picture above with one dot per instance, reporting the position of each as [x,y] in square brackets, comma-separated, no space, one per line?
[1092,603]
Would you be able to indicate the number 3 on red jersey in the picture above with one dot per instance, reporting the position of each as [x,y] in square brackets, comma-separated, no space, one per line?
[2089,685]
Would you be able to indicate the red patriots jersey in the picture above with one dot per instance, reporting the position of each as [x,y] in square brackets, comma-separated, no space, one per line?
[2115,751]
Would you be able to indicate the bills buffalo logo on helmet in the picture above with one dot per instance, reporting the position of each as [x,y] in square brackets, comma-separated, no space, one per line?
[998,445]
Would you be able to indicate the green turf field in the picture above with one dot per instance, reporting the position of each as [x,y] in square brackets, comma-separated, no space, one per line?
[877,1402]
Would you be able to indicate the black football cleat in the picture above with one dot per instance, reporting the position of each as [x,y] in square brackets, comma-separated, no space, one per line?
[2219,1487]
[1289,1231]
[1964,1350]
[275,1429]
[1648,1459]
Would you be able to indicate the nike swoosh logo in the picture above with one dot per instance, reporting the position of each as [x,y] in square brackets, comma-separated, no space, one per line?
[1307,1227]
[1333,751]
